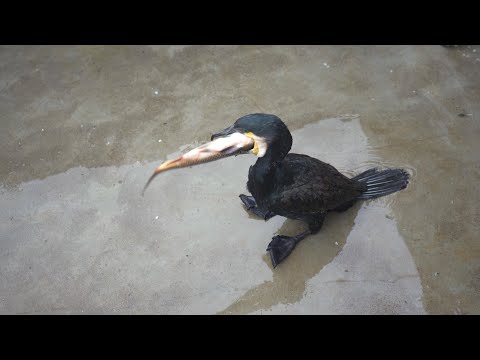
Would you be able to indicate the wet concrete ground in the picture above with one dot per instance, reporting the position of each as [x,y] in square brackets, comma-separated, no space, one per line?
[83,127]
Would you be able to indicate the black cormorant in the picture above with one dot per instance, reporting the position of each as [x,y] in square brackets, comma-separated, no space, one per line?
[295,186]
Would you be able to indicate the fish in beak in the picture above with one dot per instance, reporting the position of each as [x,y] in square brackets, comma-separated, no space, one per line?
[225,143]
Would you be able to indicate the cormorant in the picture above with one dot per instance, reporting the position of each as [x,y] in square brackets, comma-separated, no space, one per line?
[295,186]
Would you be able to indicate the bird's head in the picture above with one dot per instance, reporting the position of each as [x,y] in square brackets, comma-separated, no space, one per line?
[268,132]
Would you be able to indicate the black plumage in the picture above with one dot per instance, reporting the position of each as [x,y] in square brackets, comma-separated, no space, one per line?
[300,187]
[295,186]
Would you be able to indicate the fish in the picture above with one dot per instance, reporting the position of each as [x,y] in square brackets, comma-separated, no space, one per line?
[221,147]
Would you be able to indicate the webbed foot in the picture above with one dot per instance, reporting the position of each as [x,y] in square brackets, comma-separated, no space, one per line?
[251,206]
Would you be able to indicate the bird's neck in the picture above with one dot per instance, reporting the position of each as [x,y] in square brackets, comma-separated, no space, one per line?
[264,172]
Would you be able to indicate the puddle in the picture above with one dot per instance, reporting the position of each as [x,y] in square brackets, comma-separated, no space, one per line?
[76,237]
[86,239]
[342,143]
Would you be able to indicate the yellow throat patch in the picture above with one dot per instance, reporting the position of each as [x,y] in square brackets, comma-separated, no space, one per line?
[255,145]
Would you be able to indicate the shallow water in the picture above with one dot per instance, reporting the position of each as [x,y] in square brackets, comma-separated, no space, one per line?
[84,127]
[191,228]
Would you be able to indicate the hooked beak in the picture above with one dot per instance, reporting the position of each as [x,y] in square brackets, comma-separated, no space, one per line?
[225,143]
[228,131]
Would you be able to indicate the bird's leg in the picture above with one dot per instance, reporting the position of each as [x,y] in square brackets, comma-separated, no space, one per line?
[249,201]
[252,206]
[281,246]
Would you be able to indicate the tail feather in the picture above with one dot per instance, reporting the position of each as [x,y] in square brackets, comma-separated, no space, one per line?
[382,182]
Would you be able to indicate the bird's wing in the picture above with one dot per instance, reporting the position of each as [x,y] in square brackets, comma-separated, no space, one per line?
[316,187]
